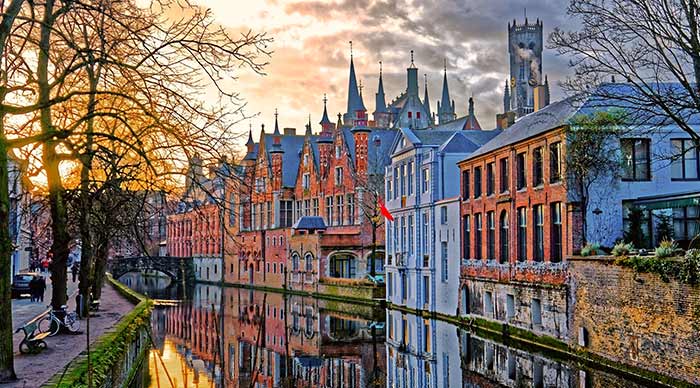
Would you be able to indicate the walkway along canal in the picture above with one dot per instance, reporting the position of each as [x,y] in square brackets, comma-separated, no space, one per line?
[236,337]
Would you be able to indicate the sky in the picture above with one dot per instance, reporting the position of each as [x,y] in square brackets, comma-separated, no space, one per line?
[311,52]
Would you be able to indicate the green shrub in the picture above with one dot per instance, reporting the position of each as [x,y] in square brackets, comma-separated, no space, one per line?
[591,249]
[622,249]
[667,248]
[664,227]
[689,271]
[686,270]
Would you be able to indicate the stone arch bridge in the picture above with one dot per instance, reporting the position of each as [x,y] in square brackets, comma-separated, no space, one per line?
[177,268]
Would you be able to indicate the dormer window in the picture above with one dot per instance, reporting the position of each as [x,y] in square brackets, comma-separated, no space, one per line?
[337,152]
[306,160]
[410,115]
[418,115]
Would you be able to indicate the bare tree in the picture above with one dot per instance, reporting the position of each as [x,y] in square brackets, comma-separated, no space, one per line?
[653,46]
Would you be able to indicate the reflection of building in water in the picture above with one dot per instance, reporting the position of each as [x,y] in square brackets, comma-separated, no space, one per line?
[325,349]
[421,352]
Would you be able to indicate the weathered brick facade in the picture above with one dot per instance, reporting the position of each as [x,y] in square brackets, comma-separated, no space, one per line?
[636,319]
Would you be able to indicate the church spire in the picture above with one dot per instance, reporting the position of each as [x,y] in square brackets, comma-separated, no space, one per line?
[276,138]
[354,99]
[277,127]
[324,119]
[506,98]
[379,99]
[308,127]
[426,99]
[445,107]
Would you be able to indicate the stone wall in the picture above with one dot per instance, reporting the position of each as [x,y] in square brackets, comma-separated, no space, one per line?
[635,319]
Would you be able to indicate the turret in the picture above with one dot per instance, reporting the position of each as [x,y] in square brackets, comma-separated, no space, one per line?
[412,79]
[326,124]
[276,152]
[472,122]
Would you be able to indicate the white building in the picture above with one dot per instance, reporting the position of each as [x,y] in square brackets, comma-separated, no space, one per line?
[423,241]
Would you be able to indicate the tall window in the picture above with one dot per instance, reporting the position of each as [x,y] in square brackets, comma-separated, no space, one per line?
[410,234]
[307,207]
[231,210]
[555,162]
[503,237]
[477,236]
[685,165]
[403,234]
[269,214]
[556,236]
[522,178]
[338,176]
[309,262]
[537,172]
[443,215]
[396,182]
[340,206]
[425,234]
[505,176]
[410,178]
[490,179]
[299,209]
[306,181]
[636,159]
[539,233]
[477,182]
[465,184]
[388,189]
[443,258]
[403,180]
[351,209]
[314,204]
[466,238]
[490,236]
[522,234]
[426,179]
[329,210]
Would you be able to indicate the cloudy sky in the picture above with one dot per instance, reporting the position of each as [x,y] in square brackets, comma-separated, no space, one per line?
[311,52]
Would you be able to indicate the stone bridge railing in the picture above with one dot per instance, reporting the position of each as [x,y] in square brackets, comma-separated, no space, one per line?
[177,268]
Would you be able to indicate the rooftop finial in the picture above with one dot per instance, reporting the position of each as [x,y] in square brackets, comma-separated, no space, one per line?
[325,99]
[360,87]
[412,58]
[275,113]
[380,68]
[426,79]
[444,64]
[350,49]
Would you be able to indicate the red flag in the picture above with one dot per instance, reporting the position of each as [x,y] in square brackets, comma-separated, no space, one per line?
[385,212]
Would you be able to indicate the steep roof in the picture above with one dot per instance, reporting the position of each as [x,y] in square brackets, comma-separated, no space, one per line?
[354,100]
[309,223]
[291,157]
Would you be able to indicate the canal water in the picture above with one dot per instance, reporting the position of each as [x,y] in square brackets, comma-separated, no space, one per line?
[234,337]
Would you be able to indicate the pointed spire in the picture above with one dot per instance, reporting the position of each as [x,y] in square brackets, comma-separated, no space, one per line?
[308,128]
[446,109]
[379,99]
[324,119]
[506,98]
[250,135]
[277,128]
[426,99]
[472,122]
[340,121]
[354,99]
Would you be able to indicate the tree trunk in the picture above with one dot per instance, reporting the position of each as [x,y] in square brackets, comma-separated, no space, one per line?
[7,369]
[374,248]
[99,270]
[59,222]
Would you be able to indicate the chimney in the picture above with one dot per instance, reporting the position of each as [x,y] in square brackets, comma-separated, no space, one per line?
[290,132]
[505,120]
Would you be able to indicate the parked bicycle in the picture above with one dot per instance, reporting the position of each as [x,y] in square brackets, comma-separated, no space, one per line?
[51,323]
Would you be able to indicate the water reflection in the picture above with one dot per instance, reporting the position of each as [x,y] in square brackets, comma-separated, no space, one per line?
[234,337]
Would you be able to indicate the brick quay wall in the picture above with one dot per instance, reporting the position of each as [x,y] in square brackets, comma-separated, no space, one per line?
[635,319]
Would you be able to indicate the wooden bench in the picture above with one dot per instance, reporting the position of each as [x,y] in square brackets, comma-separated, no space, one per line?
[33,342]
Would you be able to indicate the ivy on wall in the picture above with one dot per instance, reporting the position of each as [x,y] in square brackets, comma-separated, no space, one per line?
[684,269]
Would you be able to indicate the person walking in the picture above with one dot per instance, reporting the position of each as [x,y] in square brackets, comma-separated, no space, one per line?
[74,271]
[41,288]
[33,287]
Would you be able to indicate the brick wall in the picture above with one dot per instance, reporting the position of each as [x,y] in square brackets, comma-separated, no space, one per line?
[636,319]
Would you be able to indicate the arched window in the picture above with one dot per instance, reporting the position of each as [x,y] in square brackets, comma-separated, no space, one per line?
[503,237]
[309,262]
[295,262]
[343,265]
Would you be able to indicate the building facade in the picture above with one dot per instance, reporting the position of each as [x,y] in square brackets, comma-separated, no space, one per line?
[424,236]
